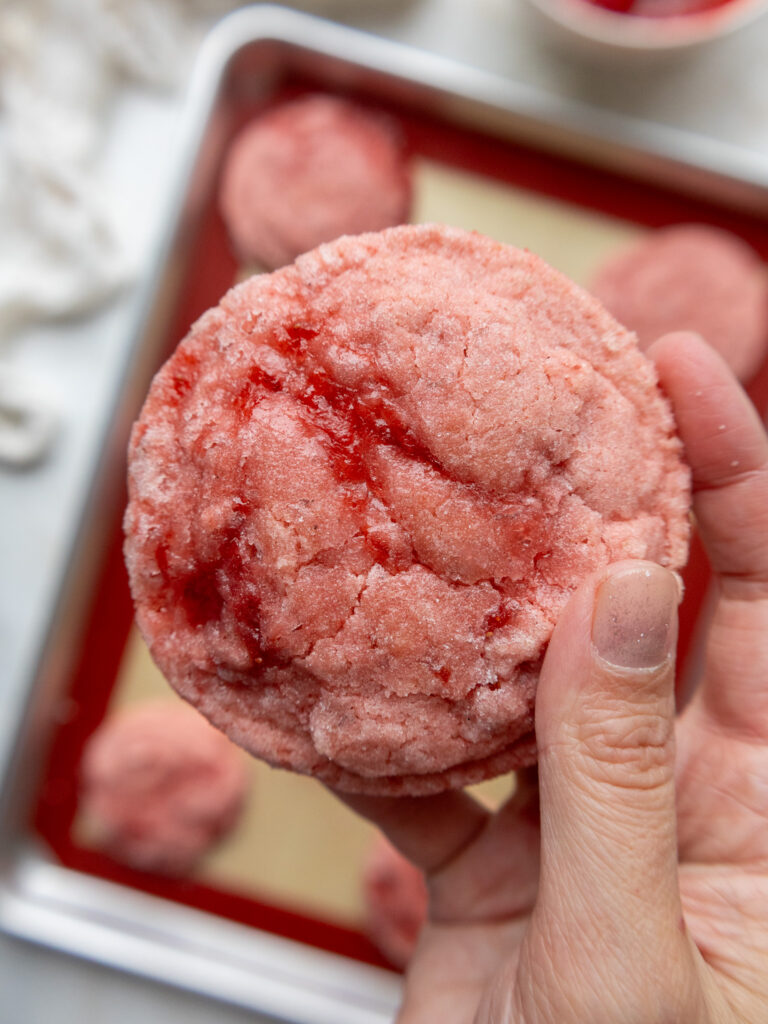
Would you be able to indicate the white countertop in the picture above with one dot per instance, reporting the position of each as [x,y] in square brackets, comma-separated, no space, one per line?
[722,93]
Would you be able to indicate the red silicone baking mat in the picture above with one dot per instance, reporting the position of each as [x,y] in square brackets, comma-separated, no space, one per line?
[570,213]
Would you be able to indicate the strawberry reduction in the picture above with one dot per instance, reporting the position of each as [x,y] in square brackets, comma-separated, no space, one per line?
[364,487]
[658,8]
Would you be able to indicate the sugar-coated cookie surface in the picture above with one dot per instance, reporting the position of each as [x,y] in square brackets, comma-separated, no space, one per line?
[692,277]
[161,786]
[308,171]
[363,488]
[395,897]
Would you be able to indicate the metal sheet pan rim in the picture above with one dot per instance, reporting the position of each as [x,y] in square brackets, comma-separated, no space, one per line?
[554,119]
[147,935]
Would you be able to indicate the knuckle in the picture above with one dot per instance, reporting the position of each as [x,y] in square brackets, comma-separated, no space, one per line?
[625,746]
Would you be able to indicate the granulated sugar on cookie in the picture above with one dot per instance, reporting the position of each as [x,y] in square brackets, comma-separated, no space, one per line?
[363,489]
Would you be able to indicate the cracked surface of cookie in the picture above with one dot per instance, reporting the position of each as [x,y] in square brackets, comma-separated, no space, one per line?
[363,488]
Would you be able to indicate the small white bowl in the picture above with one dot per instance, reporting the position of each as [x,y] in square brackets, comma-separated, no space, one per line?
[598,32]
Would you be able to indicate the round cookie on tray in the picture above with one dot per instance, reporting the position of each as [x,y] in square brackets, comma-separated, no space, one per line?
[160,787]
[692,277]
[364,487]
[308,171]
[395,897]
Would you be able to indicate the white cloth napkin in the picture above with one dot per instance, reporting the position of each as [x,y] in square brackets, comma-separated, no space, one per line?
[61,64]
[61,254]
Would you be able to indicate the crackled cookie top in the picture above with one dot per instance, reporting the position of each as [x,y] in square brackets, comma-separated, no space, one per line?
[308,171]
[692,277]
[363,488]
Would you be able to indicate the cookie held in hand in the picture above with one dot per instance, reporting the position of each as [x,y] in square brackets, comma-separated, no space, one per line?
[364,487]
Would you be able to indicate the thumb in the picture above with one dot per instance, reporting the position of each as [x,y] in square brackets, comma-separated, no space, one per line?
[605,732]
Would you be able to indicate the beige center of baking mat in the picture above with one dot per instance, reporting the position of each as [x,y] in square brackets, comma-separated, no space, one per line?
[296,845]
[572,239]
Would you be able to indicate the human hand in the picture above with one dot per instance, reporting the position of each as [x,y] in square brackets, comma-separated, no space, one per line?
[639,893]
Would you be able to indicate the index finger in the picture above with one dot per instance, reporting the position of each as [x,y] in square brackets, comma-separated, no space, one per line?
[727,449]
[429,830]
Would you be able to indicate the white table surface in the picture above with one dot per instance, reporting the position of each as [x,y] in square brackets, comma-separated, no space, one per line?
[722,94]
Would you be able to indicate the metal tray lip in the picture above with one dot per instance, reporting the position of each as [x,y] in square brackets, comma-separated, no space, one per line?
[557,114]
[23,910]
[153,937]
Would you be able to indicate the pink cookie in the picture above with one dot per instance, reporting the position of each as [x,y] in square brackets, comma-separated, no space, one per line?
[363,489]
[161,786]
[309,171]
[697,278]
[395,896]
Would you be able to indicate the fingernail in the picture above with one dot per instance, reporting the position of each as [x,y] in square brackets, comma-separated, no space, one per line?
[634,624]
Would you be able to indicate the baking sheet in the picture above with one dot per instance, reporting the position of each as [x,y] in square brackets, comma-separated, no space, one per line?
[297,846]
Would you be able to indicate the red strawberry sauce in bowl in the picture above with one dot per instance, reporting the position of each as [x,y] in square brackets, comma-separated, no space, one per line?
[640,32]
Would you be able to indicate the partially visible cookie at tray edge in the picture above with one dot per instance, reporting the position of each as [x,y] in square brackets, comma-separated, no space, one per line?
[160,787]
[692,277]
[310,170]
[395,898]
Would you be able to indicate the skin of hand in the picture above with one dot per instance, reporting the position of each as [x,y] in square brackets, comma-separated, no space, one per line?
[628,884]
